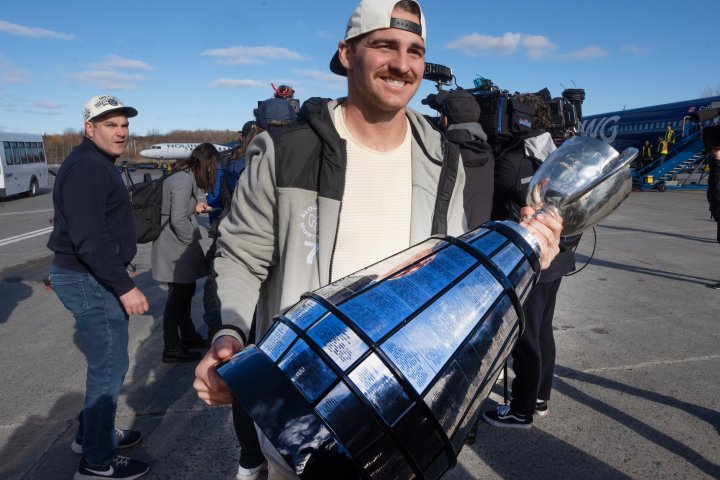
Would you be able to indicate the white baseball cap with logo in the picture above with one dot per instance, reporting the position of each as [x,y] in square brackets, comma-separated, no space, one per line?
[103,104]
[371,15]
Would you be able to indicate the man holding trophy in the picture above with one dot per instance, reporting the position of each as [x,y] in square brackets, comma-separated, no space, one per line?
[355,181]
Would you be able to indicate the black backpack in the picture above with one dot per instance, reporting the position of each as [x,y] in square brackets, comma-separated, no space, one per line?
[146,198]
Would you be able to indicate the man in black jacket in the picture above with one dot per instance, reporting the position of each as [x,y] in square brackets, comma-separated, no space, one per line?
[459,122]
[93,239]
[711,139]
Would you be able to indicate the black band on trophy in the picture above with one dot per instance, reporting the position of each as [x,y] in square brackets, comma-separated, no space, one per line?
[282,408]
[345,379]
[373,348]
[520,242]
[499,276]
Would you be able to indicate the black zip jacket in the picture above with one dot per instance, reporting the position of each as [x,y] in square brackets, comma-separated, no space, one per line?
[93,227]
[479,163]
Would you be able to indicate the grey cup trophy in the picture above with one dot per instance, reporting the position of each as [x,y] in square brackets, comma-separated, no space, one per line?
[583,181]
[381,374]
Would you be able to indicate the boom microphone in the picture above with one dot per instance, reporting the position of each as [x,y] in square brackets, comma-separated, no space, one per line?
[704,115]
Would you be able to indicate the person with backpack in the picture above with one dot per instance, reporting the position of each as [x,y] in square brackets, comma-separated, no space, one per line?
[460,113]
[533,355]
[93,239]
[176,256]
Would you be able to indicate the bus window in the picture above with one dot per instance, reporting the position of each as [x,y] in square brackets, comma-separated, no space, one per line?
[28,153]
[42,153]
[8,153]
[35,152]
[15,153]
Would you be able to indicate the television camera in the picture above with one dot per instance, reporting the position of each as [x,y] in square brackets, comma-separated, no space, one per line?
[504,115]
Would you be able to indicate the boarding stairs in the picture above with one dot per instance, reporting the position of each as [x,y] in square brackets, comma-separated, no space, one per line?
[682,168]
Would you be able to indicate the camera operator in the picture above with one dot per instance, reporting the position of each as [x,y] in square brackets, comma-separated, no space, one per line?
[459,121]
[711,139]
[516,160]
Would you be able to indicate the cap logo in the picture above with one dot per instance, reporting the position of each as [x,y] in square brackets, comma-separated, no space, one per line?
[407,25]
[106,100]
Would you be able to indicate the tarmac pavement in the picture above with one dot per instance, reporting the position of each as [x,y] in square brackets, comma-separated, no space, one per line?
[636,384]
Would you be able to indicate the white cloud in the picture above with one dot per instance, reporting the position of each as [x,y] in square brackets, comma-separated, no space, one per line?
[23,31]
[117,62]
[535,47]
[475,43]
[107,79]
[249,55]
[238,83]
[585,54]
[538,46]
[113,73]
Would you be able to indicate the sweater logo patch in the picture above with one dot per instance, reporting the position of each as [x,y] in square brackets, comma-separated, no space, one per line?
[309,228]
[309,223]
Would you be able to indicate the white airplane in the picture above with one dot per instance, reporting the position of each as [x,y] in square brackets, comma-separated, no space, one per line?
[176,151]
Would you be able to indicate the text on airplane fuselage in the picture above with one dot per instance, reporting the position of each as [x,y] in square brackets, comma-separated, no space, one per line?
[186,146]
[605,128]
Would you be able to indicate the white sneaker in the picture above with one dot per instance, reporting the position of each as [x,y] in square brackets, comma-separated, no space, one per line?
[251,473]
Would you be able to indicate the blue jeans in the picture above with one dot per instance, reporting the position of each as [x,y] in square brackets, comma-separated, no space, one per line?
[102,325]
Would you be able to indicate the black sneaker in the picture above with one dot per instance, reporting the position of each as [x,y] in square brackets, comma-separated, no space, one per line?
[504,417]
[124,468]
[125,439]
[541,407]
[715,286]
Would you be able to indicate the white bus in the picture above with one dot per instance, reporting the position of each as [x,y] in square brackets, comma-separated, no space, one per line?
[23,167]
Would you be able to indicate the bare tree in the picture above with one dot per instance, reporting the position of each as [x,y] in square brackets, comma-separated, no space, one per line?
[711,92]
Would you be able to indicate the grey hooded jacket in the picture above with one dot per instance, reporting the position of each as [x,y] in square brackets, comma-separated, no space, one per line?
[176,255]
[278,240]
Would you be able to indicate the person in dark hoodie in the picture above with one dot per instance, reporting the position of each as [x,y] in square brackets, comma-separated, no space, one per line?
[93,239]
[459,121]
[534,354]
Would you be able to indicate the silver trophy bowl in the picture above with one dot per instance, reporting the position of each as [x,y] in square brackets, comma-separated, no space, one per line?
[583,181]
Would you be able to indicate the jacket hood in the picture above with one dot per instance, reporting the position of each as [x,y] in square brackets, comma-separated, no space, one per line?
[318,113]
[474,151]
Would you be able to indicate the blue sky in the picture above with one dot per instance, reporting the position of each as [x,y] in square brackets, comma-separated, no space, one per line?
[204,65]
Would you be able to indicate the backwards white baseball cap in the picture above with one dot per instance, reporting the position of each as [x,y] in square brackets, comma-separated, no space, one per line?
[103,104]
[371,15]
